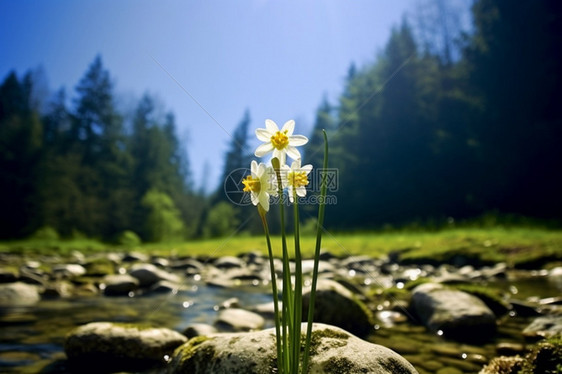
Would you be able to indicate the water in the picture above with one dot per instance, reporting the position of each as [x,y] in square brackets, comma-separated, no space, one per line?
[31,338]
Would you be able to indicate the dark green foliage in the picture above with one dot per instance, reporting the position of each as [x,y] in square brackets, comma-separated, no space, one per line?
[425,136]
[221,220]
[76,170]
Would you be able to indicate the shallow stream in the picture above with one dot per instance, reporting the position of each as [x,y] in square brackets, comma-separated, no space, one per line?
[31,338]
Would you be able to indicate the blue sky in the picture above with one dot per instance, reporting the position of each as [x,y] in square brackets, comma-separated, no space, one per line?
[276,58]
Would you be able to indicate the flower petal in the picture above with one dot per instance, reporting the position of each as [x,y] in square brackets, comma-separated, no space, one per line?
[263,135]
[306,168]
[293,152]
[296,165]
[271,126]
[290,193]
[269,180]
[297,140]
[254,168]
[301,191]
[289,126]
[255,199]
[261,169]
[263,149]
[280,155]
[264,200]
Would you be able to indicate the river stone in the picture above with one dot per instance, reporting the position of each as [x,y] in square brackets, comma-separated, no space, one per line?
[338,306]
[504,364]
[333,350]
[199,329]
[239,320]
[456,314]
[68,270]
[18,294]
[8,276]
[107,346]
[119,285]
[544,327]
[148,274]
[229,262]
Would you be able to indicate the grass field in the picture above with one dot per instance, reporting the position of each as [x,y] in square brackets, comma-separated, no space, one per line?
[515,245]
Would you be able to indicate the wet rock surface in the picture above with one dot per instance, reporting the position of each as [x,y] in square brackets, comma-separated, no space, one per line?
[333,351]
[113,347]
[18,294]
[453,313]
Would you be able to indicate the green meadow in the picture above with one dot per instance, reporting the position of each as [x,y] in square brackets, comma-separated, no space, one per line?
[512,245]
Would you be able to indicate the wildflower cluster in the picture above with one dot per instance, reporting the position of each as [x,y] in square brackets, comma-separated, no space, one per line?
[263,182]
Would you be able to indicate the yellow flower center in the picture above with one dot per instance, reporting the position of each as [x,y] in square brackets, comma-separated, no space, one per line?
[280,140]
[251,184]
[298,179]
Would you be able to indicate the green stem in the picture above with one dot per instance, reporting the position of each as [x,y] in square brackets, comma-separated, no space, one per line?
[287,316]
[273,289]
[296,340]
[319,228]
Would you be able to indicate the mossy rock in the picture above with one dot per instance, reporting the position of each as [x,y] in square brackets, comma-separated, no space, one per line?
[338,306]
[107,346]
[333,350]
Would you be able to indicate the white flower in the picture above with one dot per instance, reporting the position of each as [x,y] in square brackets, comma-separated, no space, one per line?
[281,142]
[261,184]
[295,178]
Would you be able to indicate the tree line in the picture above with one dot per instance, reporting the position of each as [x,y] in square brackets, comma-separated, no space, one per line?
[88,170]
[444,123]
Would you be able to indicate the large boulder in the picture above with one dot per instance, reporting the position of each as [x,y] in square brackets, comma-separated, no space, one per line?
[107,346]
[333,350]
[455,314]
[338,306]
[18,294]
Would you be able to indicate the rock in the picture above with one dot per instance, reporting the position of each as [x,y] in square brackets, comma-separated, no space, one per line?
[148,274]
[58,289]
[8,276]
[233,302]
[544,327]
[106,346]
[555,276]
[323,267]
[229,262]
[18,294]
[456,314]
[199,329]
[101,266]
[239,320]
[504,365]
[190,266]
[524,308]
[333,350]
[119,285]
[135,257]
[336,305]
[68,270]
[33,276]
[509,349]
[163,287]
[161,262]
[266,310]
